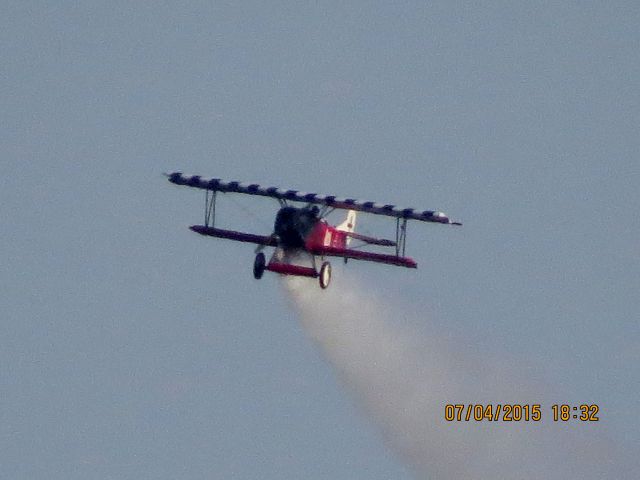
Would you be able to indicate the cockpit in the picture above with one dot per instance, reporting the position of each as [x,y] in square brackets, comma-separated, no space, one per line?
[292,225]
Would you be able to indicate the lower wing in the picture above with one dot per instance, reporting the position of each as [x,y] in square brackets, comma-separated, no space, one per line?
[267,240]
[367,256]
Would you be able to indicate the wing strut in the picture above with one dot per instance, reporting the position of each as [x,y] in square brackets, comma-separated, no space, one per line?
[209,208]
[325,210]
[401,236]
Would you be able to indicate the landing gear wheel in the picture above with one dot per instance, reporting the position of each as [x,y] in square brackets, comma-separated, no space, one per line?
[325,275]
[258,266]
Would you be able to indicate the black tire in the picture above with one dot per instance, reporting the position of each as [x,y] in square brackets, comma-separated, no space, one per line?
[258,266]
[325,275]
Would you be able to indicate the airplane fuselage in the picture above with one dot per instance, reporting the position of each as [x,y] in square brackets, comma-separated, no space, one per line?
[302,228]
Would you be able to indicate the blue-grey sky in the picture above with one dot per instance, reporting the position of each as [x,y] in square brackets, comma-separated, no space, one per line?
[132,348]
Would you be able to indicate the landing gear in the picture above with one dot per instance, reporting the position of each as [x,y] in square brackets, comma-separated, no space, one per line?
[258,266]
[325,275]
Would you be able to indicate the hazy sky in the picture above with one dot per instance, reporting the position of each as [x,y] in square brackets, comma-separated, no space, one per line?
[132,348]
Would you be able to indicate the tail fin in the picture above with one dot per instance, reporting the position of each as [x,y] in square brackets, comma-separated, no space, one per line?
[349,224]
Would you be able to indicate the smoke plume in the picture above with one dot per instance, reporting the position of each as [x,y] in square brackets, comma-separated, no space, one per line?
[404,380]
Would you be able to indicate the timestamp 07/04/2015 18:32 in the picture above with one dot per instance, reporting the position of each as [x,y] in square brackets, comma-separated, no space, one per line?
[515,412]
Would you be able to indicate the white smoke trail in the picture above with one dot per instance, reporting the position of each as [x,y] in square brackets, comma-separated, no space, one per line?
[404,381]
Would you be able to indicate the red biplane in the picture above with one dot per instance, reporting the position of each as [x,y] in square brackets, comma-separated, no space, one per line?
[304,232]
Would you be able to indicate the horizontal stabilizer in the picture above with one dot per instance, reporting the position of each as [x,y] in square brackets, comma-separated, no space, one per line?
[371,240]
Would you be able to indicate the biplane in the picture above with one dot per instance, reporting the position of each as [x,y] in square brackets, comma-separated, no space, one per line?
[303,231]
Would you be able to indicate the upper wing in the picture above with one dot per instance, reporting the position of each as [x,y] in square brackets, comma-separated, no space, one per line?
[217,185]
